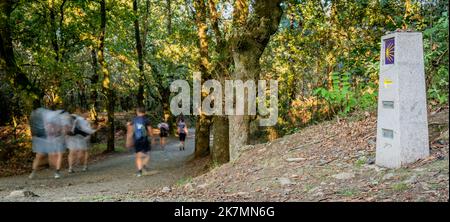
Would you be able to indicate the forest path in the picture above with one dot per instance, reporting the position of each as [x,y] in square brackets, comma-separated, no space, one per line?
[107,178]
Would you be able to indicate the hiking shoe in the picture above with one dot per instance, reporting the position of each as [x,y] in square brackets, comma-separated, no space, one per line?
[139,173]
[85,169]
[57,175]
[32,175]
[71,170]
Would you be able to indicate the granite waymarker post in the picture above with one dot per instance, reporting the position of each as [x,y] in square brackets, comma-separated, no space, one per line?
[402,127]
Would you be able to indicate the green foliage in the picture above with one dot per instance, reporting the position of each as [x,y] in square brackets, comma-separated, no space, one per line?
[330,50]
[325,54]
[55,53]
[340,97]
[361,161]
[436,60]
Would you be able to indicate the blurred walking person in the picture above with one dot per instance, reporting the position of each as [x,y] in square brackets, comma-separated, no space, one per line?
[77,141]
[163,133]
[182,130]
[48,129]
[138,131]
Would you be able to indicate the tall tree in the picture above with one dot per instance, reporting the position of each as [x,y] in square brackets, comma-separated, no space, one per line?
[107,84]
[10,71]
[140,94]
[94,94]
[57,39]
[202,127]
[220,71]
[169,16]
[146,22]
[248,44]
[56,28]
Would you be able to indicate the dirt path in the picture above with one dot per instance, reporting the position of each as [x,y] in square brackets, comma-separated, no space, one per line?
[329,161]
[107,178]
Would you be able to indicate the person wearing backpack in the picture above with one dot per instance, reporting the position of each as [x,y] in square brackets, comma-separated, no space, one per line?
[138,131]
[48,129]
[77,141]
[182,131]
[163,133]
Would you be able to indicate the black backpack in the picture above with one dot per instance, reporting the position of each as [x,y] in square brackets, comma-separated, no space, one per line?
[77,131]
[37,124]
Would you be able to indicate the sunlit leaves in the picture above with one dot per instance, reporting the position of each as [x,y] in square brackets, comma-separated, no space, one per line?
[314,43]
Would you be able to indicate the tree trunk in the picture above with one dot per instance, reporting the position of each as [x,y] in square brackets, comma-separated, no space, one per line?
[203,124]
[94,82]
[140,95]
[220,127]
[169,16]
[249,42]
[202,130]
[240,12]
[54,37]
[94,93]
[111,125]
[220,151]
[144,37]
[107,85]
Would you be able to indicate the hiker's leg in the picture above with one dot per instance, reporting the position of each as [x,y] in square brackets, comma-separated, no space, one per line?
[80,157]
[37,160]
[52,160]
[139,160]
[85,158]
[59,158]
[146,158]
[71,158]
[182,139]
[56,159]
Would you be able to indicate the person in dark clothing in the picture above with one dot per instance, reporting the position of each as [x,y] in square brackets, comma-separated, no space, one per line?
[138,131]
[182,131]
[163,133]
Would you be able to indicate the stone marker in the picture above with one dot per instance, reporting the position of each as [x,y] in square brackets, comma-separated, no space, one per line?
[402,127]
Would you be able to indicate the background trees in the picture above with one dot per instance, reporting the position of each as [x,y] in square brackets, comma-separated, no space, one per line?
[108,56]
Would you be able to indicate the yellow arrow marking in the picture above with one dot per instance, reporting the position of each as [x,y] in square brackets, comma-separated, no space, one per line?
[387,82]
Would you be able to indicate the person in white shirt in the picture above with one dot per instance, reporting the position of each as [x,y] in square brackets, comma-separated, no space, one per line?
[78,142]
[48,129]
